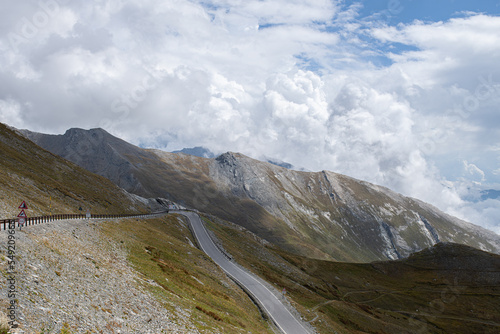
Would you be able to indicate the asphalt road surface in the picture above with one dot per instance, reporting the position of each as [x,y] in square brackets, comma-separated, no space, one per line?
[268,301]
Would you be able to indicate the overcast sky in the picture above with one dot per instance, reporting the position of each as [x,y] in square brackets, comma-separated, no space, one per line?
[400,93]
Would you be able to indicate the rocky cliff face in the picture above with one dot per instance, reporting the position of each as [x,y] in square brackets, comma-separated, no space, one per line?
[324,214]
[346,218]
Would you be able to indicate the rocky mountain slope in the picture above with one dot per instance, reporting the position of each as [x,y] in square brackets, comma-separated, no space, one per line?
[50,183]
[322,215]
[99,152]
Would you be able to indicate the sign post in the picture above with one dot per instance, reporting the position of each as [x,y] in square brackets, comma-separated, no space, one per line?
[21,222]
[22,215]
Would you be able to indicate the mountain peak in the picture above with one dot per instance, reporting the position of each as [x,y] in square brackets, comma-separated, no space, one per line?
[94,132]
[197,151]
[228,158]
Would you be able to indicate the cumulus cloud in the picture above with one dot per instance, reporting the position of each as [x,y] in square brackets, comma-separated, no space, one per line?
[446,53]
[292,80]
[473,171]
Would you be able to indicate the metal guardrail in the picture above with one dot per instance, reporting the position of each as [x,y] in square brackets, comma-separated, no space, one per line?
[30,221]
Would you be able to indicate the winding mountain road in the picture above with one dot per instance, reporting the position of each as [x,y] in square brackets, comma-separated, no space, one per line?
[285,321]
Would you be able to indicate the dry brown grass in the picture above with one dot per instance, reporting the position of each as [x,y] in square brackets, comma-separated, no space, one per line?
[49,183]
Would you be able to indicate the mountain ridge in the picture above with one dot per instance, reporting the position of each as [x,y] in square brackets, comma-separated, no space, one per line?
[318,214]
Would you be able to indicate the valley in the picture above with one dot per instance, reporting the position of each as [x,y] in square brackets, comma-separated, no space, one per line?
[343,255]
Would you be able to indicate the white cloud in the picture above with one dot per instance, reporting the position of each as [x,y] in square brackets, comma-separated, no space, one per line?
[446,53]
[10,113]
[473,171]
[280,11]
[483,213]
[233,75]
[295,117]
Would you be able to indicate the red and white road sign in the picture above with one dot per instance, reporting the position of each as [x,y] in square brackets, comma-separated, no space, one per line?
[23,206]
[21,221]
[22,214]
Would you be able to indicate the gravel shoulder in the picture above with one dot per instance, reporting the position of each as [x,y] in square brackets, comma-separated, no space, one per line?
[70,275]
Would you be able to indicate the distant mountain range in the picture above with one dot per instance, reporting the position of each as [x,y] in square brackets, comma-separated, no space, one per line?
[322,215]
[490,194]
[202,152]
[197,151]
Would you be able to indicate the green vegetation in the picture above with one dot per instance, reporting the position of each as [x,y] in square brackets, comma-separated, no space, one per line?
[161,249]
[4,328]
[447,289]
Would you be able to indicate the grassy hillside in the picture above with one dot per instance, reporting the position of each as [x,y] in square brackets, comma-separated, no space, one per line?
[449,288]
[163,250]
[445,289]
[45,181]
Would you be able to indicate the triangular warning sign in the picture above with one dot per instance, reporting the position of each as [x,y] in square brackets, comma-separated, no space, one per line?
[22,214]
[23,206]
